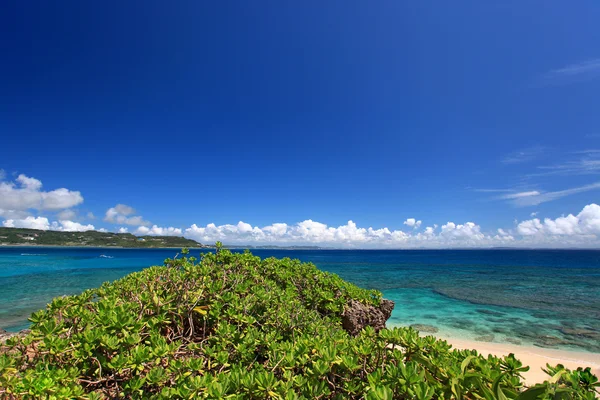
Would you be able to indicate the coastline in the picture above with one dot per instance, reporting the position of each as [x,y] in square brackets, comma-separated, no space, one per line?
[534,357]
[92,247]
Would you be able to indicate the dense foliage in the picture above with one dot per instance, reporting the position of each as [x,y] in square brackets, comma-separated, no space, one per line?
[32,237]
[235,326]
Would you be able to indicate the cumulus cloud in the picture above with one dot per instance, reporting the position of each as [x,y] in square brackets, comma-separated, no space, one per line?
[71,226]
[468,232]
[26,194]
[350,235]
[413,223]
[123,214]
[14,214]
[42,223]
[581,230]
[29,222]
[123,230]
[156,231]
[586,223]
[66,215]
[29,183]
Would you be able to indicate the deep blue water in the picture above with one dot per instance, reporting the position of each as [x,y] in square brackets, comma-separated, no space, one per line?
[549,298]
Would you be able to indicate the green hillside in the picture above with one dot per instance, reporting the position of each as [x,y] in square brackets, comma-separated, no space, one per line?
[32,237]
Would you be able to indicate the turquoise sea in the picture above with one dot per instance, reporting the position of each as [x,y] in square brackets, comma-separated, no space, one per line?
[547,298]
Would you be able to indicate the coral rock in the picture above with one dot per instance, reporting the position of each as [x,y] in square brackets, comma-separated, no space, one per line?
[356,316]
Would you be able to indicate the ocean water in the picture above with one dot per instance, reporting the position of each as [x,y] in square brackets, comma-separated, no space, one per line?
[546,298]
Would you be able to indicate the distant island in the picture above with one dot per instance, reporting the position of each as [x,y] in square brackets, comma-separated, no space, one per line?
[274,247]
[35,237]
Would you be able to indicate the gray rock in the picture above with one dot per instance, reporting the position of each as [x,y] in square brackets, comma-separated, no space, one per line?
[386,307]
[513,340]
[4,336]
[586,333]
[425,328]
[550,341]
[357,316]
[484,338]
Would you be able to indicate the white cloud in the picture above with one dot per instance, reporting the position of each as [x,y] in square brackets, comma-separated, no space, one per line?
[60,198]
[71,226]
[91,215]
[587,165]
[577,72]
[122,214]
[521,194]
[590,68]
[533,214]
[29,183]
[14,214]
[157,231]
[524,155]
[492,190]
[413,223]
[581,230]
[42,223]
[29,222]
[311,232]
[535,198]
[26,193]
[66,215]
[469,232]
[586,223]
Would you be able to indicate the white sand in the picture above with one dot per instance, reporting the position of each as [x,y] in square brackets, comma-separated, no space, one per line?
[535,357]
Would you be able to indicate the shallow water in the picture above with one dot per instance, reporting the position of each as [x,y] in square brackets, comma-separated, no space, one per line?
[548,298]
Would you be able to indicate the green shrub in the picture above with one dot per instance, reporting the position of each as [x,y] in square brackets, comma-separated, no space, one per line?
[235,326]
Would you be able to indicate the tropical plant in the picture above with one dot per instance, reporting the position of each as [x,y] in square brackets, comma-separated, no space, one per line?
[231,325]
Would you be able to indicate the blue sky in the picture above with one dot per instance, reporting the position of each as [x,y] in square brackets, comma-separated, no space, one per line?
[279,113]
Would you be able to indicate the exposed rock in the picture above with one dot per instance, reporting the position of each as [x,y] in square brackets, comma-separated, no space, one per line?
[386,307]
[550,341]
[4,336]
[586,333]
[513,340]
[484,338]
[356,316]
[425,328]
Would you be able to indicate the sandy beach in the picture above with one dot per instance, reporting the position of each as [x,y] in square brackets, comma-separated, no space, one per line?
[535,357]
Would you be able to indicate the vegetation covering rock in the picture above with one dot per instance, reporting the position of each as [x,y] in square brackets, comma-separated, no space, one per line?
[235,326]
